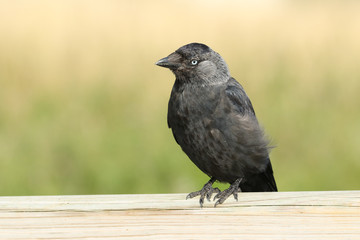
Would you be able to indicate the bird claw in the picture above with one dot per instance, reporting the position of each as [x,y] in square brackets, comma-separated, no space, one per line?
[209,193]
[205,192]
[232,190]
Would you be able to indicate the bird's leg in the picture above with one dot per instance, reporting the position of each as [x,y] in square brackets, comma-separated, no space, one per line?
[206,191]
[232,190]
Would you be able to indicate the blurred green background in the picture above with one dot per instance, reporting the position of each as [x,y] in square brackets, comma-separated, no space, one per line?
[83,107]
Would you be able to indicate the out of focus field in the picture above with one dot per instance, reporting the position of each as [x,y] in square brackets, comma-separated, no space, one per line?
[83,107]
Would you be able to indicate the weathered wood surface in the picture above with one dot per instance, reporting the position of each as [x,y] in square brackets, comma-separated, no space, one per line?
[282,215]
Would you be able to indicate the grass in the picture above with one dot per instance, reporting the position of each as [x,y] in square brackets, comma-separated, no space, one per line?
[83,108]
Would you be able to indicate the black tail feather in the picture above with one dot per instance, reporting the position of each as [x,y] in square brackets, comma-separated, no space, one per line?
[260,182]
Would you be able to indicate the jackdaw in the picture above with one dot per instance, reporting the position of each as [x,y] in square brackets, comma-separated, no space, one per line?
[214,122]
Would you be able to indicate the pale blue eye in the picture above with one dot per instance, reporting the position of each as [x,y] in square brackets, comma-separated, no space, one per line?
[194,62]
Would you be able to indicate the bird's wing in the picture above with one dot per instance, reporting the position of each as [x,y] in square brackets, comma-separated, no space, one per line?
[236,121]
[237,96]
[246,135]
[236,117]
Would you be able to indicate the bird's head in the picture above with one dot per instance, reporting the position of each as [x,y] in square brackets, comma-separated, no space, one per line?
[196,63]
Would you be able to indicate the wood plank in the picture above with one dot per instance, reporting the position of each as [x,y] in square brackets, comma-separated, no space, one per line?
[282,215]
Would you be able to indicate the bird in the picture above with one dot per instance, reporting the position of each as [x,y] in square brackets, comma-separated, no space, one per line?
[214,122]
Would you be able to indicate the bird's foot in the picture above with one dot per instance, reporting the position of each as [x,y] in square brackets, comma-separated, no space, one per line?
[206,191]
[232,190]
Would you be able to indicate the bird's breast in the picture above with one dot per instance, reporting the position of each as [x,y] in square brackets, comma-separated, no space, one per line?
[190,116]
[196,101]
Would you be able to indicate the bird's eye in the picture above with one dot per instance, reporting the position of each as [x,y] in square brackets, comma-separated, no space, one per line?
[194,62]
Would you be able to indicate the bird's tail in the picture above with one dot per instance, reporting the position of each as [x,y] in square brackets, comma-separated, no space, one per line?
[260,182]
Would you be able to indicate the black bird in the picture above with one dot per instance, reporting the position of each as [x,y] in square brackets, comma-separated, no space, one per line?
[214,122]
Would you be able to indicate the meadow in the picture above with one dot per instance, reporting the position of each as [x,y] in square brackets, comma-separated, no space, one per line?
[83,106]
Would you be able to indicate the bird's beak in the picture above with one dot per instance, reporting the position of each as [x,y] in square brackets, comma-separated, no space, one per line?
[172,61]
[163,62]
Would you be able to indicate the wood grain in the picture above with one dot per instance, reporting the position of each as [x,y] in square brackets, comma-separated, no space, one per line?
[282,215]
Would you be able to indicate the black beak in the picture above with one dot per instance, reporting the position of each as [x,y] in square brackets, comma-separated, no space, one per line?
[164,62]
[172,61]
